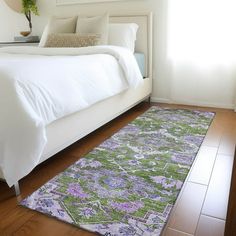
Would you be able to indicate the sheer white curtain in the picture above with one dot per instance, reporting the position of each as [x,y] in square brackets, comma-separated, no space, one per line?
[202,51]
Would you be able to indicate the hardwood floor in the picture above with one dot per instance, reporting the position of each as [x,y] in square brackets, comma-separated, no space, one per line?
[201,206]
[230,228]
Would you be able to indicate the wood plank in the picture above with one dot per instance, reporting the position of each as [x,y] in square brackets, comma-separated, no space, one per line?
[215,131]
[209,226]
[6,205]
[172,232]
[227,142]
[213,138]
[14,220]
[188,208]
[216,201]
[204,161]
[230,228]
[45,225]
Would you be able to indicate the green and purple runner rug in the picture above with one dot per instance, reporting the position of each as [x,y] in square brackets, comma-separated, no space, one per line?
[128,185]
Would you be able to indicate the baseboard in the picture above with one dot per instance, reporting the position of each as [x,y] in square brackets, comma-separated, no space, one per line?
[194,103]
[160,100]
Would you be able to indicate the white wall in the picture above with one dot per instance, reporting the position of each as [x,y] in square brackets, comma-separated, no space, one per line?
[11,23]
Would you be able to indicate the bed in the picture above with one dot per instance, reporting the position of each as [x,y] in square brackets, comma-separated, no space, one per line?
[78,124]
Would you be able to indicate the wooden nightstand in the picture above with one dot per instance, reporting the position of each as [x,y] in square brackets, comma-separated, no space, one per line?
[8,44]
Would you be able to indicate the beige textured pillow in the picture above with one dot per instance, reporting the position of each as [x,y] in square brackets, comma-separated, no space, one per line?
[58,25]
[94,25]
[71,40]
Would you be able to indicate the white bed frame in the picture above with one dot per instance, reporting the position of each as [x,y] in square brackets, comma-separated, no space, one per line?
[63,132]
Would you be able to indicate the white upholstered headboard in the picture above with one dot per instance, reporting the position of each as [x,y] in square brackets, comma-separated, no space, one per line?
[144,35]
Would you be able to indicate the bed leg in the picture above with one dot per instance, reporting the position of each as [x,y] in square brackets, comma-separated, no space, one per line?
[17,188]
[149,99]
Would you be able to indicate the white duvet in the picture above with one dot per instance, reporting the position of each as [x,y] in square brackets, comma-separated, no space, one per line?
[40,85]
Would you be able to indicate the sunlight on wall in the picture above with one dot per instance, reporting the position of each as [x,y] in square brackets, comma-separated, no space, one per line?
[202,32]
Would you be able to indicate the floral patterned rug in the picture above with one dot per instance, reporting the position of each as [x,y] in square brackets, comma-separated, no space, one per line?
[129,184]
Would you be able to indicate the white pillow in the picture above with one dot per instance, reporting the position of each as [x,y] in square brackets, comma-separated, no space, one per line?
[94,25]
[58,25]
[123,34]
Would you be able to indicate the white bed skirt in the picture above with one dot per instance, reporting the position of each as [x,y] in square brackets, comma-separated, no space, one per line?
[63,132]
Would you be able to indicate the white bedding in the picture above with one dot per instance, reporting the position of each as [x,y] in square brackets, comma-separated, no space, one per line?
[40,85]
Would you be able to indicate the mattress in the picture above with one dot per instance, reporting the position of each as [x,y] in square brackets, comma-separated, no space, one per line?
[140,58]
